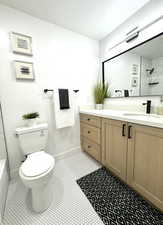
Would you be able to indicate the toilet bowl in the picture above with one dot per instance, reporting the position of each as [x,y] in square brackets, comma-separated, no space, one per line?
[36,173]
[37,169]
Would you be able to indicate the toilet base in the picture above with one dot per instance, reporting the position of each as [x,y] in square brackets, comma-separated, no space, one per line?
[42,197]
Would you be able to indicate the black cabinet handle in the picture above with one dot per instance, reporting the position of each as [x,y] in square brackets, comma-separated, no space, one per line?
[123,130]
[88,119]
[129,132]
[89,146]
[89,132]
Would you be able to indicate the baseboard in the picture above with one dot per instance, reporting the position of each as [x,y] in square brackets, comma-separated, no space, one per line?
[68,153]
[14,173]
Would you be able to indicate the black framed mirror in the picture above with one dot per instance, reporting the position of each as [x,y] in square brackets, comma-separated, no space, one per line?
[137,71]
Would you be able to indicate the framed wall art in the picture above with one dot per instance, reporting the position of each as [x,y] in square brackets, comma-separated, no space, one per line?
[24,70]
[134,81]
[21,44]
[135,69]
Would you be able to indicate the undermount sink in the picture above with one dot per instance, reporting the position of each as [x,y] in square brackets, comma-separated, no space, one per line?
[142,115]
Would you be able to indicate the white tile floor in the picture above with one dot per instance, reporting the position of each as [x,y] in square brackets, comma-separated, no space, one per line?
[70,206]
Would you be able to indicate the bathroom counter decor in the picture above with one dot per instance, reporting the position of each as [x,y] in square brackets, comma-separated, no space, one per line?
[100,92]
[31,118]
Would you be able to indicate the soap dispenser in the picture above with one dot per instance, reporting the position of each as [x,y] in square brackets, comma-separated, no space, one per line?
[160,107]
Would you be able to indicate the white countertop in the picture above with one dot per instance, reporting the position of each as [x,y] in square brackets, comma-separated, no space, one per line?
[139,118]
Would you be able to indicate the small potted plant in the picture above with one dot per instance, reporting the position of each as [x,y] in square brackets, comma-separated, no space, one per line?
[31,118]
[100,93]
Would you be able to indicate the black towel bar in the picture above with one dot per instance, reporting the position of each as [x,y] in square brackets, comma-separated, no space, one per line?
[46,90]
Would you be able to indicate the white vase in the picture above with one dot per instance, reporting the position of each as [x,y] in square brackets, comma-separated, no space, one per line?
[99,106]
[31,122]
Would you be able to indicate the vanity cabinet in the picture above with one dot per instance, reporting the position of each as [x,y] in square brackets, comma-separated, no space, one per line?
[90,130]
[114,146]
[132,152]
[145,162]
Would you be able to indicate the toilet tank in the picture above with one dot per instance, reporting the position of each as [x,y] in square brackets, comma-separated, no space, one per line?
[32,139]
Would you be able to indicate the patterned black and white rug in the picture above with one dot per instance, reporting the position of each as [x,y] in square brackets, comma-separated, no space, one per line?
[115,202]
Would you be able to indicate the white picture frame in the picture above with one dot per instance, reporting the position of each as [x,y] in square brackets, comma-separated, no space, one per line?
[134,81]
[24,70]
[135,69]
[21,44]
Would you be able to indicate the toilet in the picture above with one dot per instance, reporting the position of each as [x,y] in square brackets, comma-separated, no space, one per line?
[37,169]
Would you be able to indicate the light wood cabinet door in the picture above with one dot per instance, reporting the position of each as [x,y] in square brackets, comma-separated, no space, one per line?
[114,146]
[145,162]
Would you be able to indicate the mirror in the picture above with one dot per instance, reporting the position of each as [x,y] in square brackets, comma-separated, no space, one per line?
[137,72]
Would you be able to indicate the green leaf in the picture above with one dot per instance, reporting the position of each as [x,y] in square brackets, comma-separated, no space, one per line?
[30,116]
[101,92]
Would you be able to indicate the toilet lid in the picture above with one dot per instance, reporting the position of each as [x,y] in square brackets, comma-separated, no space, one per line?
[37,163]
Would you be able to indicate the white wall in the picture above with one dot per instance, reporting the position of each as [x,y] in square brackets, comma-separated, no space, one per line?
[4,182]
[61,59]
[145,15]
[3,154]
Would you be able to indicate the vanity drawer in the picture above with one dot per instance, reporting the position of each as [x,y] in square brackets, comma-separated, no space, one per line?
[91,120]
[91,148]
[91,133]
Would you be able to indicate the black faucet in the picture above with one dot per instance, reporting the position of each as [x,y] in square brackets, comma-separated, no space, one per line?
[148,108]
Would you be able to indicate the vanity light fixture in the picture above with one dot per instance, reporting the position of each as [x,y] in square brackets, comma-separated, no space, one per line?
[132,36]
[139,30]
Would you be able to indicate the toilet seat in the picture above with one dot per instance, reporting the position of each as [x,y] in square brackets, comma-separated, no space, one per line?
[37,164]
